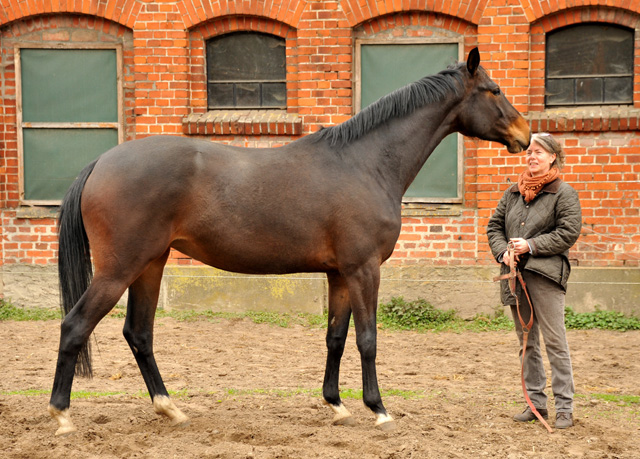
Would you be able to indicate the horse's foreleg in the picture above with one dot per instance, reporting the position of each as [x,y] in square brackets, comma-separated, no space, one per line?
[138,331]
[74,332]
[363,292]
[338,327]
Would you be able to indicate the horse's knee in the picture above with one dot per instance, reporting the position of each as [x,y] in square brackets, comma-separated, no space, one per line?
[140,343]
[335,344]
[72,337]
[366,343]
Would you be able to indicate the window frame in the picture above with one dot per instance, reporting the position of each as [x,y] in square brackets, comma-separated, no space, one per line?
[575,77]
[20,124]
[357,103]
[235,83]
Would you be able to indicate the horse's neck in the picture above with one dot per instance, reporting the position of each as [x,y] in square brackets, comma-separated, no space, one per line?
[403,145]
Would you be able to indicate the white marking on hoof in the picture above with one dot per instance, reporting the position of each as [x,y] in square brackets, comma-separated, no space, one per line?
[65,426]
[342,415]
[385,422]
[163,405]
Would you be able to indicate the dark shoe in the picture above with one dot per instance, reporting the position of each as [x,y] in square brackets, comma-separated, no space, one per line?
[564,420]
[527,415]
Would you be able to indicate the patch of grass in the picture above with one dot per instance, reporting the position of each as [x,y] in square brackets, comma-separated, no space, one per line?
[83,394]
[420,315]
[604,320]
[413,315]
[277,392]
[26,392]
[75,395]
[486,322]
[346,393]
[11,312]
[622,400]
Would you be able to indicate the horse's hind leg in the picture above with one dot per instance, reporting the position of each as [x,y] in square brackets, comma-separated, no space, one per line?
[138,331]
[338,327]
[97,301]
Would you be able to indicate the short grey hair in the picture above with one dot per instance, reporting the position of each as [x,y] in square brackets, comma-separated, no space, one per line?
[551,145]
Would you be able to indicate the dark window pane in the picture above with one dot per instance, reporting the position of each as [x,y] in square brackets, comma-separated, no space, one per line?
[560,92]
[247,95]
[242,58]
[589,90]
[220,95]
[587,57]
[274,95]
[591,49]
[618,90]
[246,56]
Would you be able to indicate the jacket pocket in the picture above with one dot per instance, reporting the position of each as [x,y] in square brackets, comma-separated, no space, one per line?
[549,267]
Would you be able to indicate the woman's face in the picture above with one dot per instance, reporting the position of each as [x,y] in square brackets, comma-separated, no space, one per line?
[539,160]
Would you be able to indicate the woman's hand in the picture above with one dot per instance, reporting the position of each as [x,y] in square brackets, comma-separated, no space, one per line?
[520,246]
[506,260]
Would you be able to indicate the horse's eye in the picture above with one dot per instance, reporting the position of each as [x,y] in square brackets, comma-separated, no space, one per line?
[495,91]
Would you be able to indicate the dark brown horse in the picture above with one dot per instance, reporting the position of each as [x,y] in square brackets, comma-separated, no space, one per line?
[329,202]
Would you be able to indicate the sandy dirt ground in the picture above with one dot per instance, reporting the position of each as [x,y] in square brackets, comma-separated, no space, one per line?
[253,391]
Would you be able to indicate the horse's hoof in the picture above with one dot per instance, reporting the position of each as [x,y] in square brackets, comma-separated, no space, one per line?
[342,415]
[65,431]
[164,406]
[344,421]
[178,423]
[65,426]
[385,423]
[387,426]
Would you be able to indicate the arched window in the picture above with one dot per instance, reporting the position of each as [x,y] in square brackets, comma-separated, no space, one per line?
[246,70]
[589,64]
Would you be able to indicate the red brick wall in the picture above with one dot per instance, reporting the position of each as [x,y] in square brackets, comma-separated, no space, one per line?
[165,92]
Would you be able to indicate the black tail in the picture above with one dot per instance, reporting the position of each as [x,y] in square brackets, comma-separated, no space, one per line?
[74,258]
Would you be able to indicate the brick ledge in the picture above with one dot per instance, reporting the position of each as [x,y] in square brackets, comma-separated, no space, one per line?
[242,122]
[587,119]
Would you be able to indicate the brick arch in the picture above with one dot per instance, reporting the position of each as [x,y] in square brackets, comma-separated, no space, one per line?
[227,24]
[594,13]
[535,10]
[195,12]
[359,11]
[119,11]
[421,19]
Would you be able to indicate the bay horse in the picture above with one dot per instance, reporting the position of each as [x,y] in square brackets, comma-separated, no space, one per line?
[328,202]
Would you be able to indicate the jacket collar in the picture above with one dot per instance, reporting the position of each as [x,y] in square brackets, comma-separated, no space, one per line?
[552,187]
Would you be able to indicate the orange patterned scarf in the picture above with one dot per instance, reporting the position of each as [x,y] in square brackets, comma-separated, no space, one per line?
[530,186]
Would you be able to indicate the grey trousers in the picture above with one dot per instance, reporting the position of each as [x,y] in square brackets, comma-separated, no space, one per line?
[548,303]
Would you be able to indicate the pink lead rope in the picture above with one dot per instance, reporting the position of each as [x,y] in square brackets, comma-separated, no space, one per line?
[511,277]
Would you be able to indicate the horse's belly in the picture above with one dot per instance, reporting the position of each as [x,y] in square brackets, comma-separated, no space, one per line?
[257,255]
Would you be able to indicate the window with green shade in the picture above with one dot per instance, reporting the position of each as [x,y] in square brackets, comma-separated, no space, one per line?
[386,66]
[70,115]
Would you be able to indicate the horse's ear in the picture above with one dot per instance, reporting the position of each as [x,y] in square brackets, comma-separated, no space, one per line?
[473,61]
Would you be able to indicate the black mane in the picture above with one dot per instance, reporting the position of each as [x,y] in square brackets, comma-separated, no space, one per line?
[399,103]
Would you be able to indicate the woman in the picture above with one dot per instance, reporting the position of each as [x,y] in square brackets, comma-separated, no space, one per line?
[541,216]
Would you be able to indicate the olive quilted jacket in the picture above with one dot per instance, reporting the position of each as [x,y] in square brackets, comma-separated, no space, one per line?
[550,223]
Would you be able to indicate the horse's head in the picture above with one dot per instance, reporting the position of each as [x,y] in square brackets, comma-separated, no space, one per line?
[486,113]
